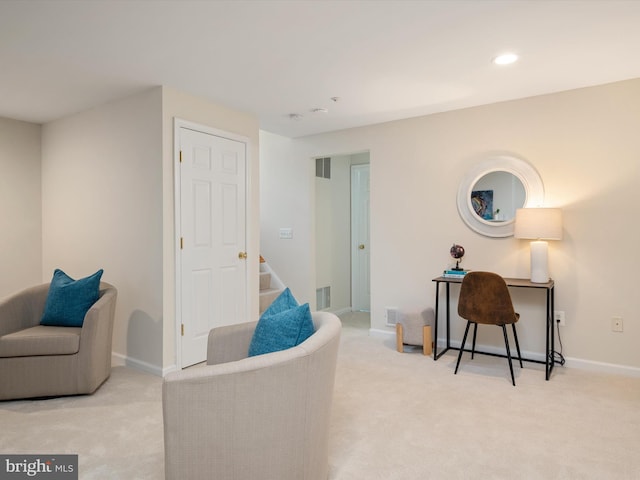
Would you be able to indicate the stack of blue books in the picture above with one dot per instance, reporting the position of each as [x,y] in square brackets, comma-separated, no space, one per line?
[455,274]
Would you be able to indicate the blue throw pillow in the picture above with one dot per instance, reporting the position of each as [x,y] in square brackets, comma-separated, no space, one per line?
[68,300]
[283,325]
[285,301]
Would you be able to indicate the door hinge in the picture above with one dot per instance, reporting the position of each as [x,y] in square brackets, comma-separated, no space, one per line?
[180,156]
[181,243]
[182,329]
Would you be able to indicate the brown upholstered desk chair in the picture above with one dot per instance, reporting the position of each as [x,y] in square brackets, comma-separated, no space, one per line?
[484,298]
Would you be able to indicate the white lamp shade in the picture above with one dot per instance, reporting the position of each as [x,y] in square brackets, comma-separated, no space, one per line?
[538,223]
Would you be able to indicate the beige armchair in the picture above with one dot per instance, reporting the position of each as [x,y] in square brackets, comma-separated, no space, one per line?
[264,417]
[47,361]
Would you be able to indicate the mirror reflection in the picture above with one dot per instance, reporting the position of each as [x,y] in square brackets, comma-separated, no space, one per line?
[496,196]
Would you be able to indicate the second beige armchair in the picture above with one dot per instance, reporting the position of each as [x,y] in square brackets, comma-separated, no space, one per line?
[45,361]
[264,417]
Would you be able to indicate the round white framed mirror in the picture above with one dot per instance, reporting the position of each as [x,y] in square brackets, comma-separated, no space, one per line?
[490,193]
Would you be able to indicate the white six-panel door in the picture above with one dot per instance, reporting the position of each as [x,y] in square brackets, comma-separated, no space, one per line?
[360,248]
[212,283]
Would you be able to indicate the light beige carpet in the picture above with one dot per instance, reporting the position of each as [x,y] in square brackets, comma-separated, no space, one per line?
[395,416]
[116,432]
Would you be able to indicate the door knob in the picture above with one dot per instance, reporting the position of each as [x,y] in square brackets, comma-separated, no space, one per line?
[242,255]
[361,246]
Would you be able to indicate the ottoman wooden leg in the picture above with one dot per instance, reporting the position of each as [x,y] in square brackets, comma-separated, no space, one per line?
[399,344]
[427,343]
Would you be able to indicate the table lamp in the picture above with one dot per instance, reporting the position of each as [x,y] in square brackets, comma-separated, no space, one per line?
[539,224]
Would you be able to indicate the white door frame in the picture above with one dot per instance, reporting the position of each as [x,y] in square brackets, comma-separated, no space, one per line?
[179,123]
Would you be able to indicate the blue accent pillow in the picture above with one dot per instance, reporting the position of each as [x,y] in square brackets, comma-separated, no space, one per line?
[68,300]
[285,301]
[281,327]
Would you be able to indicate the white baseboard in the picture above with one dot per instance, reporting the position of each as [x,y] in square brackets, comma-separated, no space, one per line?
[169,369]
[602,367]
[570,362]
[376,332]
[120,360]
[340,311]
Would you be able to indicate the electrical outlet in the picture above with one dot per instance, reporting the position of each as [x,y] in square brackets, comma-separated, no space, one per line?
[558,316]
[616,324]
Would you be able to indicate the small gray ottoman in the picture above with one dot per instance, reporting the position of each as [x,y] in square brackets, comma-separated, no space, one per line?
[414,328]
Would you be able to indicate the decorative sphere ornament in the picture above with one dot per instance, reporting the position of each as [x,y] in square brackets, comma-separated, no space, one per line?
[457,252]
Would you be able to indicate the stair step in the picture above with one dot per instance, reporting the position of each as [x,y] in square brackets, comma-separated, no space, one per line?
[267,297]
[265,281]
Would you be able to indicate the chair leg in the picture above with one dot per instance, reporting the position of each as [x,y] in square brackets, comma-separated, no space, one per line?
[515,335]
[506,344]
[475,332]
[464,340]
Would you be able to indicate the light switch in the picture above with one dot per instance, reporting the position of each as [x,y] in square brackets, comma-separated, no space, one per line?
[286,233]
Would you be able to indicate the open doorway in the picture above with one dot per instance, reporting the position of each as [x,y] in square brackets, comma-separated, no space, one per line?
[342,233]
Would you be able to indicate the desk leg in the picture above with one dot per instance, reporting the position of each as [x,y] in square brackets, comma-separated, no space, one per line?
[435,339]
[547,342]
[436,355]
[448,318]
[553,330]
[550,340]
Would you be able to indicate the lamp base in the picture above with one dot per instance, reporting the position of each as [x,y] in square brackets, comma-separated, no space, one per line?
[539,261]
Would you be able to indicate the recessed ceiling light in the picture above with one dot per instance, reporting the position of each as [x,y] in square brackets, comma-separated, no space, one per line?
[505,59]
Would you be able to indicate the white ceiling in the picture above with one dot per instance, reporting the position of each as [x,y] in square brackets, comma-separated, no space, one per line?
[386,60]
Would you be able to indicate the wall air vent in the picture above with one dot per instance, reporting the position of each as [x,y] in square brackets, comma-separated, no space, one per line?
[391,315]
[323,167]
[323,298]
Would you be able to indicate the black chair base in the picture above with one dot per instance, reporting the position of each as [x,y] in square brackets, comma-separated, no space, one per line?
[506,344]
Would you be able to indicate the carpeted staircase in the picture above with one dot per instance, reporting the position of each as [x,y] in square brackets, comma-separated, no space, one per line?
[270,285]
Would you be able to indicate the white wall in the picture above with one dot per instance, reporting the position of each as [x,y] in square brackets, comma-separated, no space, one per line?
[285,202]
[102,208]
[333,232]
[20,206]
[324,233]
[585,146]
